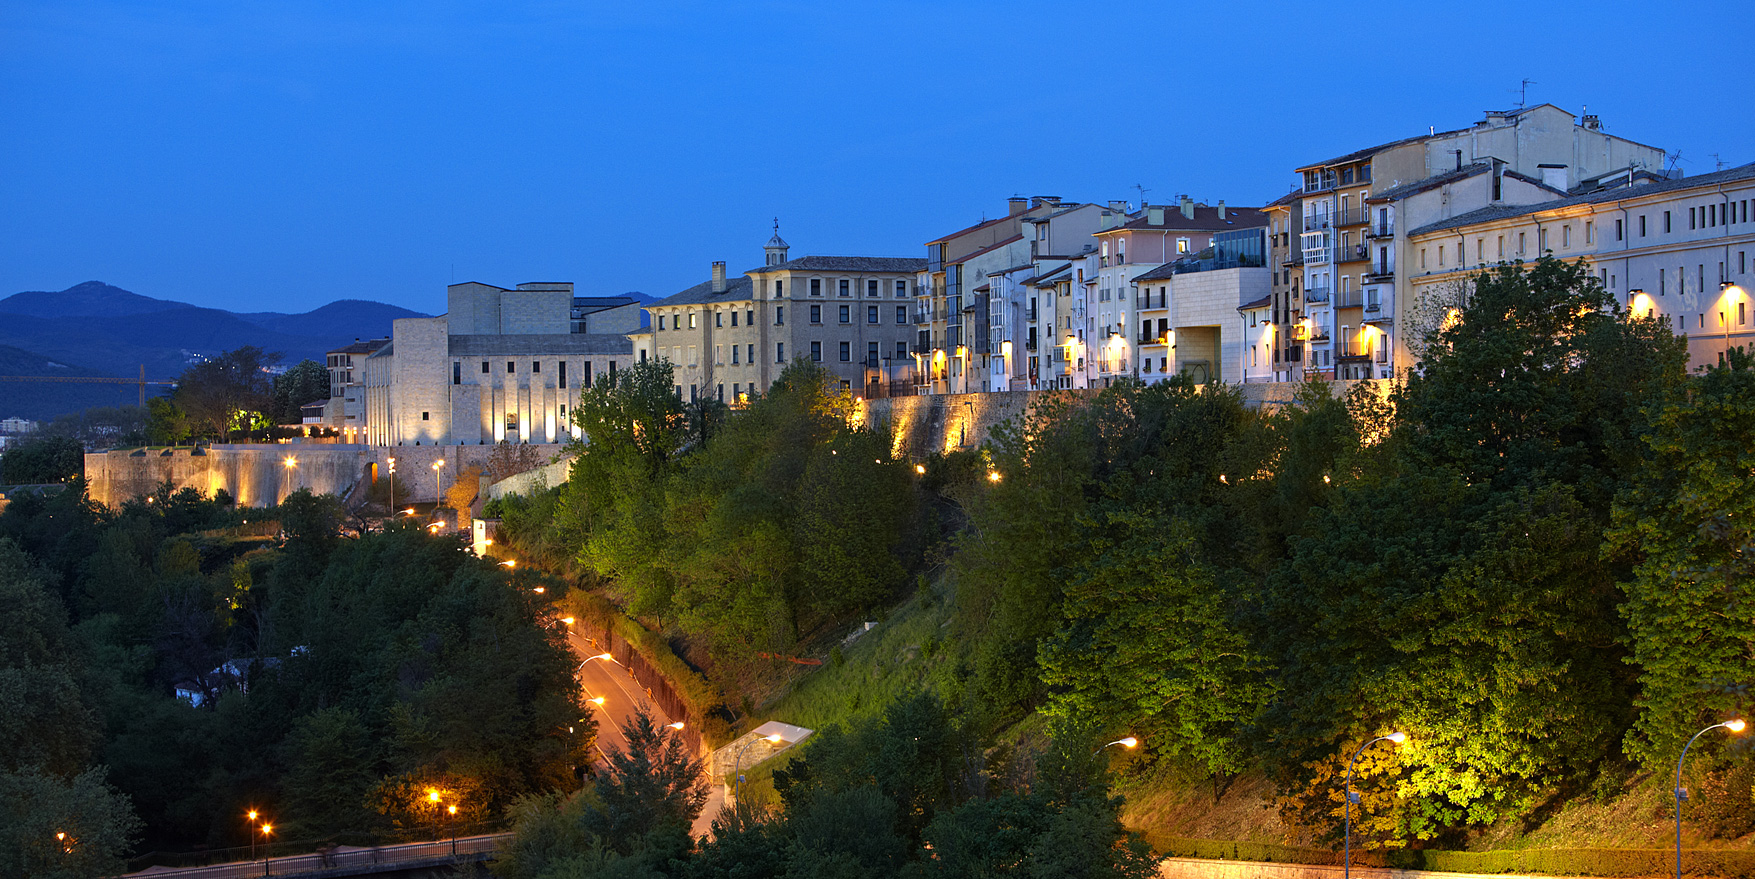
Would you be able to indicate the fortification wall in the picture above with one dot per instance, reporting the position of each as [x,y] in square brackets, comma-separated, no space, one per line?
[257,475]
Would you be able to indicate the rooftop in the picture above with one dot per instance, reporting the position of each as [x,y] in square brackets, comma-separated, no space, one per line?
[857,264]
[1500,212]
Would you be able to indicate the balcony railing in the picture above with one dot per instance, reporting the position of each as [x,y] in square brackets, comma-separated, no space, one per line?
[1373,307]
[1316,294]
[1352,216]
[1315,224]
[1379,273]
[1348,299]
[1146,300]
[1152,340]
[1382,228]
[1355,253]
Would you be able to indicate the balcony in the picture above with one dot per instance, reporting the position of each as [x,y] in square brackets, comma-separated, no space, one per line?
[1373,307]
[1316,294]
[1355,253]
[1145,301]
[1352,216]
[1317,223]
[1152,340]
[1379,273]
[1383,228]
[1349,299]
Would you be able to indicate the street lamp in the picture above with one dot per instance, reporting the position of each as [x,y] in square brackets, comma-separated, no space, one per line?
[291,464]
[1130,743]
[451,818]
[737,765]
[392,483]
[1352,798]
[438,495]
[1735,726]
[251,816]
[267,856]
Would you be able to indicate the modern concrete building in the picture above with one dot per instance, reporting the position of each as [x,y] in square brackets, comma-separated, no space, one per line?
[1150,242]
[346,409]
[728,337]
[1205,314]
[1676,249]
[501,365]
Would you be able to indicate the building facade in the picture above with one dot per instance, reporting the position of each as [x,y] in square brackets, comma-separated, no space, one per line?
[1674,249]
[501,365]
[730,337]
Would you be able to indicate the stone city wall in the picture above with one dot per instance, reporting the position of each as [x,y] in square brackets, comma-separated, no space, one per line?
[257,475]
[927,425]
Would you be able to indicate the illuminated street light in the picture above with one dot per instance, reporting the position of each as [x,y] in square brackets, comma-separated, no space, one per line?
[567,620]
[920,469]
[1735,726]
[438,495]
[1352,799]
[678,726]
[993,476]
[737,765]
[509,564]
[1129,743]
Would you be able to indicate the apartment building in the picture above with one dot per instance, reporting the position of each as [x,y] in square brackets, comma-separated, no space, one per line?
[501,365]
[1151,241]
[346,408]
[1339,298]
[1674,249]
[1206,315]
[730,337]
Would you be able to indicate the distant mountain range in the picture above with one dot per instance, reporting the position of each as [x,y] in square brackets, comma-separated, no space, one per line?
[96,329]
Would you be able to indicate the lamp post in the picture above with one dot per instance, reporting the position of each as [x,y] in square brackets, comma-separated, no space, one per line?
[251,817]
[438,495]
[451,818]
[392,486]
[1130,743]
[737,765]
[291,464]
[1352,798]
[1735,726]
[267,856]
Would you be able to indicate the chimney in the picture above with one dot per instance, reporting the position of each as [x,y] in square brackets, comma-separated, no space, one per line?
[1016,205]
[1221,209]
[1118,206]
[1155,216]
[1555,176]
[719,276]
[1187,208]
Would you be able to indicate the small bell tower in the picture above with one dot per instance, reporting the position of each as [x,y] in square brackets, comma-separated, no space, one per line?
[776,247]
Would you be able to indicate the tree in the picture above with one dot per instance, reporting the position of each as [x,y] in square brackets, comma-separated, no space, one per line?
[1686,522]
[63,828]
[329,759]
[165,423]
[305,382]
[652,786]
[229,393]
[41,461]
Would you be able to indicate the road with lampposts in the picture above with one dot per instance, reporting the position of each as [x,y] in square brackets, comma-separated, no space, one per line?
[615,696]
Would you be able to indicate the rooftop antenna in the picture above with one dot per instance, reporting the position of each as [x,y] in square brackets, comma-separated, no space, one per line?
[1523,93]
[1671,162]
[1143,192]
[1717,161]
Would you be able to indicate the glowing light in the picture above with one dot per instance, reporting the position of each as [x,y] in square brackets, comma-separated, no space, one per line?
[676,726]
[538,590]
[1129,742]
[290,462]
[920,469]
[993,476]
[451,809]
[1397,737]
[432,795]
[251,815]
[567,620]
[267,829]
[1735,725]
[598,701]
[774,739]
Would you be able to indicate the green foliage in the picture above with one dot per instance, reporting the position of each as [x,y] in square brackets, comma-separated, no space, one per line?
[166,425]
[1686,520]
[329,756]
[653,785]
[41,461]
[306,381]
[62,828]
[227,394]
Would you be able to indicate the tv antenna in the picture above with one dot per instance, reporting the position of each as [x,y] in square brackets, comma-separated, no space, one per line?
[1143,192]
[1720,163]
[1523,93]
[1671,161]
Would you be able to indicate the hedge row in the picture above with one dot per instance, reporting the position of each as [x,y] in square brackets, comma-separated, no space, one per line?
[1614,863]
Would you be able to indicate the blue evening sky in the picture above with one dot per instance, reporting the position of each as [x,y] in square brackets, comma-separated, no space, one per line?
[275,156]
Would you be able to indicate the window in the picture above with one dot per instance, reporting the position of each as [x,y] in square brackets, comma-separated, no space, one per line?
[816,286]
[846,352]
[587,372]
[1642,225]
[846,315]
[718,355]
[535,366]
[779,315]
[845,287]
[484,367]
[456,372]
[816,352]
[1541,241]
[779,352]
[691,320]
[561,379]
[692,359]
[734,355]
[1520,243]
[871,314]
[661,321]
[1182,245]
[749,317]
[901,350]
[751,350]
[691,393]
[1501,247]
[816,314]
[424,416]
[1618,230]
[901,289]
[1589,232]
[1480,245]
[901,314]
[718,319]
[721,393]
[1422,257]
[779,286]
[511,367]
[871,289]
[734,318]
[1666,222]
[871,354]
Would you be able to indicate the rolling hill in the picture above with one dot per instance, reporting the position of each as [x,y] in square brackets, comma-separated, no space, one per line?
[105,330]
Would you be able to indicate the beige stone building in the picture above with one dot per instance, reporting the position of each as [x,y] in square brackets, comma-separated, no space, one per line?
[501,365]
[731,336]
[1675,249]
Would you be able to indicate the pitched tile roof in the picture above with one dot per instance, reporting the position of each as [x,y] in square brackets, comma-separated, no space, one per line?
[1500,212]
[1206,219]
[737,288]
[859,264]
[539,344]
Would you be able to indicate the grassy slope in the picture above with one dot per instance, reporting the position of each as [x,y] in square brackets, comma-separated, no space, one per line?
[910,649]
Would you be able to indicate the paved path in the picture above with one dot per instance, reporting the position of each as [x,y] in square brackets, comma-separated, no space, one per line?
[344,861]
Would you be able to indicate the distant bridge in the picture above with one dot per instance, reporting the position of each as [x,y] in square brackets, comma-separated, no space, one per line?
[467,856]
